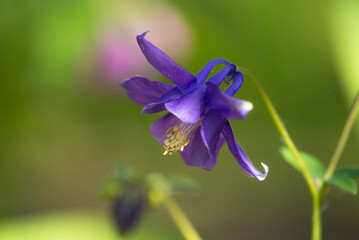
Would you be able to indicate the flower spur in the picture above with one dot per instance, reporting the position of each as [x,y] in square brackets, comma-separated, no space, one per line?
[197,123]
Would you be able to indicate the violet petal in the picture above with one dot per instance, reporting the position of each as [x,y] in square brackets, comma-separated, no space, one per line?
[236,84]
[230,107]
[211,129]
[219,77]
[190,107]
[203,74]
[196,153]
[159,105]
[240,156]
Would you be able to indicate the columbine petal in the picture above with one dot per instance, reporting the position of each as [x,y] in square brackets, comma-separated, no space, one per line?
[190,107]
[240,156]
[203,74]
[211,129]
[159,127]
[196,153]
[159,105]
[166,65]
[227,105]
[143,91]
[236,84]
[225,72]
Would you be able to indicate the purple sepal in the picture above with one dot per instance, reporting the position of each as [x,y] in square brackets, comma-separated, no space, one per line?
[165,65]
[143,91]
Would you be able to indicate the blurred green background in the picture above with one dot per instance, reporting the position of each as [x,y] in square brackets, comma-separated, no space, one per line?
[65,122]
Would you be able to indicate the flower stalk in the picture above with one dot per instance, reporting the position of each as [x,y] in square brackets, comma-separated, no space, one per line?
[314,189]
[180,219]
[316,217]
[282,131]
[317,189]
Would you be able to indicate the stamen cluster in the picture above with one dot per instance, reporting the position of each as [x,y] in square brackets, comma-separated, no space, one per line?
[178,137]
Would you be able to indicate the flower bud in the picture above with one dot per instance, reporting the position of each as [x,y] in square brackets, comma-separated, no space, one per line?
[129,208]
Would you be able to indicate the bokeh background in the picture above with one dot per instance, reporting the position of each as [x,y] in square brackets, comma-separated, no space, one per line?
[65,122]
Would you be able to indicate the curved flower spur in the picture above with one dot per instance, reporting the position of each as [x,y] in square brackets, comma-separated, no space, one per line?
[196,124]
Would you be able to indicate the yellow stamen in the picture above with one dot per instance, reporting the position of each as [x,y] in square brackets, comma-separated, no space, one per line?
[178,137]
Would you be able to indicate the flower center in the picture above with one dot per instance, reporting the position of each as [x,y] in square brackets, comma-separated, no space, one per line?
[178,137]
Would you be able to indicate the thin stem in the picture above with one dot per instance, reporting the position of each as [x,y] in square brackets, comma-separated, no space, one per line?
[316,218]
[343,138]
[180,219]
[283,132]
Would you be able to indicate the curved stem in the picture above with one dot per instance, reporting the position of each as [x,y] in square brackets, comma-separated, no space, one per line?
[283,132]
[180,219]
[343,138]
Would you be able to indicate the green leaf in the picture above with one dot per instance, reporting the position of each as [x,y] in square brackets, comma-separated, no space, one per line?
[343,179]
[346,172]
[345,183]
[180,183]
[314,165]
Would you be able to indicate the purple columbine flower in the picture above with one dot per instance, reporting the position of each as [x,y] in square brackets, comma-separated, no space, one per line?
[196,124]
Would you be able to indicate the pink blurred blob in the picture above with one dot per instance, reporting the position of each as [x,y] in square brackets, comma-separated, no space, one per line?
[118,55]
[118,58]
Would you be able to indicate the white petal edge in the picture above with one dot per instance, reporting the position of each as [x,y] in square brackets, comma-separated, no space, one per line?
[266,170]
[248,106]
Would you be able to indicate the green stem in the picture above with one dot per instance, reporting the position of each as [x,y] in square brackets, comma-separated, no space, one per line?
[339,148]
[314,189]
[283,131]
[343,138]
[316,218]
[180,219]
